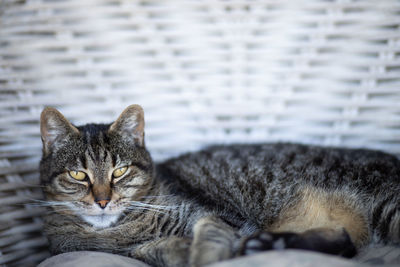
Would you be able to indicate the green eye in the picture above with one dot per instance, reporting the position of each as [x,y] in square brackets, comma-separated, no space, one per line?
[77,175]
[119,172]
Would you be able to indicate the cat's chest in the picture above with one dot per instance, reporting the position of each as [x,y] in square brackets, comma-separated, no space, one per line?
[136,228]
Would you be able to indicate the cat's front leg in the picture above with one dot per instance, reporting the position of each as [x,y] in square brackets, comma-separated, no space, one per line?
[213,241]
[169,252]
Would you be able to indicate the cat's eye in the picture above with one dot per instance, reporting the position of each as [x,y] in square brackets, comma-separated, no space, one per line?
[119,172]
[77,175]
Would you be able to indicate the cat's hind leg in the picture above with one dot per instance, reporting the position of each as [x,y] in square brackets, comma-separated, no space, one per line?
[327,221]
[319,208]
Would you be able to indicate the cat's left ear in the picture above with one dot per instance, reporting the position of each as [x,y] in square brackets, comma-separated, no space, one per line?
[130,125]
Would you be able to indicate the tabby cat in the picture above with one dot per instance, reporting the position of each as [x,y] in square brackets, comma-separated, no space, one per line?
[105,194]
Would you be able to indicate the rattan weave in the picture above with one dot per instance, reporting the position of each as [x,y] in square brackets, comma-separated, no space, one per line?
[311,71]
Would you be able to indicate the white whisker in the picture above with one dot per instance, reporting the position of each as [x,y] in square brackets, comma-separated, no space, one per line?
[159,196]
[137,209]
[56,211]
[45,203]
[162,207]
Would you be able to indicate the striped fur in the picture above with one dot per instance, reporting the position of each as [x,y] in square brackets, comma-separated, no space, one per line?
[207,206]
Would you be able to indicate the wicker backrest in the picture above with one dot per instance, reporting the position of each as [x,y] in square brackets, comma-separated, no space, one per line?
[311,71]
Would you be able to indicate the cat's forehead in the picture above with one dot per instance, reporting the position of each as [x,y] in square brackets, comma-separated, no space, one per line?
[93,130]
[97,147]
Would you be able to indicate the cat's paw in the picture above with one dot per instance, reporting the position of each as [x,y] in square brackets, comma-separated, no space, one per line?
[329,241]
[263,241]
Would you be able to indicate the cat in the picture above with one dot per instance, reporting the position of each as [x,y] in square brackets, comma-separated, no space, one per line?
[105,194]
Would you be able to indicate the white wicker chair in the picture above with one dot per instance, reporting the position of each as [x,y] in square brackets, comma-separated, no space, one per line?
[311,71]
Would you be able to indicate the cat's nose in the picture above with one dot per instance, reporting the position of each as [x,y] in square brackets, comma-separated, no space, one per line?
[103,203]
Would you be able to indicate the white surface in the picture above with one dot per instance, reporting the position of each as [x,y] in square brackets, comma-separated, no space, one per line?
[324,72]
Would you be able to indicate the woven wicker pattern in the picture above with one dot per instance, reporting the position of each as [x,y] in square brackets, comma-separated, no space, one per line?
[311,71]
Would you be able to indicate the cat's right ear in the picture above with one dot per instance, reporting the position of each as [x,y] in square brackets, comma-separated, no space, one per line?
[130,125]
[54,129]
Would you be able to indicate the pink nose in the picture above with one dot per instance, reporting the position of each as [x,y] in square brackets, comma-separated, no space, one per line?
[103,203]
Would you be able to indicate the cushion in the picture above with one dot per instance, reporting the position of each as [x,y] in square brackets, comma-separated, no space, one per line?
[90,258]
[386,256]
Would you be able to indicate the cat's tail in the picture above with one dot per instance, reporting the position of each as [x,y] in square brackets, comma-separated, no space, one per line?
[386,217]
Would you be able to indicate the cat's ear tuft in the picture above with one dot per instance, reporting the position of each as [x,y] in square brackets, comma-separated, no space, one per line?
[54,128]
[130,124]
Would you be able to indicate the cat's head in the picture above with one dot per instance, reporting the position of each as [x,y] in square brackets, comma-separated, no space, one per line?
[95,171]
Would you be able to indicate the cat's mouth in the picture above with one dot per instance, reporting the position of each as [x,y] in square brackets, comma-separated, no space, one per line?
[101,221]
[99,217]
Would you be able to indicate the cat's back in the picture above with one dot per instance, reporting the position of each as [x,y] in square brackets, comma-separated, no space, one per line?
[286,162]
[243,176]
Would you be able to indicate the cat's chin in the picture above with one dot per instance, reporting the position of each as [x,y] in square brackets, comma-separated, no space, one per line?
[100,221]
